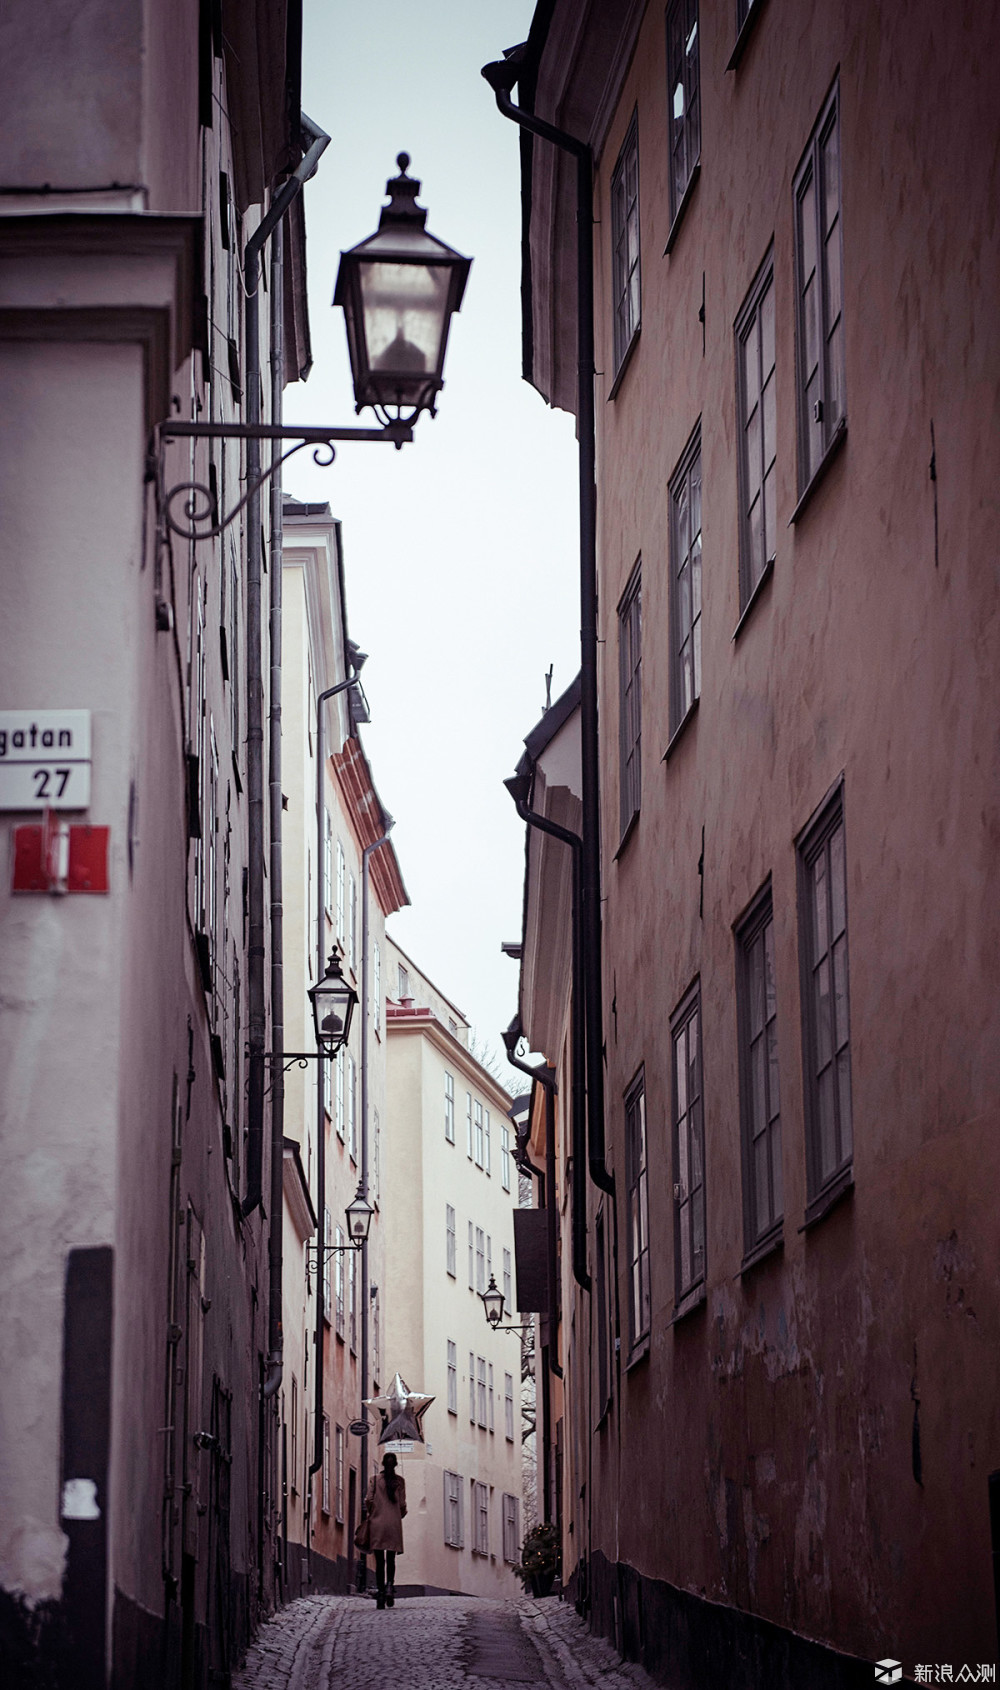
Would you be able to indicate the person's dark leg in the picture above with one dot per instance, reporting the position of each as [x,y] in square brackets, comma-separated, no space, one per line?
[390,1577]
[380,1578]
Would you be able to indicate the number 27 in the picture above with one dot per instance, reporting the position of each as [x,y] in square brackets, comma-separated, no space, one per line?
[42,777]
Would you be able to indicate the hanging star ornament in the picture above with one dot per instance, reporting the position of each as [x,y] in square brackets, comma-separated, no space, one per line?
[401,1412]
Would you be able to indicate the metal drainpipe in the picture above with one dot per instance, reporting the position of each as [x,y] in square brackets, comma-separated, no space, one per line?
[501,78]
[321,701]
[546,1078]
[519,786]
[257,1018]
[275,1240]
[365,860]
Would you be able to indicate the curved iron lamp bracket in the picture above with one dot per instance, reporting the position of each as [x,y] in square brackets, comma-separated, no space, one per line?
[190,508]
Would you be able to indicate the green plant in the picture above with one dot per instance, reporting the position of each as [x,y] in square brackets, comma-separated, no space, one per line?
[539,1554]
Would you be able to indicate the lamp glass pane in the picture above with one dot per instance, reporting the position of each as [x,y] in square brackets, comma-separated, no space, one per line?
[405,311]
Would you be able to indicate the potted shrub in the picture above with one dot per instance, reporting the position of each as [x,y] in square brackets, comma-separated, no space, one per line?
[539,1560]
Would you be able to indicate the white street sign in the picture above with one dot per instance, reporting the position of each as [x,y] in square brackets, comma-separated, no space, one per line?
[44,759]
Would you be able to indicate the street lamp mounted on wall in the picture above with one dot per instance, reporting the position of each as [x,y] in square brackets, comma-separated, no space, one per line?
[359,1214]
[492,1300]
[333,1000]
[399,289]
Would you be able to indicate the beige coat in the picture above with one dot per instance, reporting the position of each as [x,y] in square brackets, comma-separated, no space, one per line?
[386,1517]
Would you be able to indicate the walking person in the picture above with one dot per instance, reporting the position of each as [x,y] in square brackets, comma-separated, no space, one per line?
[386,1506]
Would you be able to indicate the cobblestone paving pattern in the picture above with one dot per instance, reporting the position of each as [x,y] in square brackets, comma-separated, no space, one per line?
[432,1643]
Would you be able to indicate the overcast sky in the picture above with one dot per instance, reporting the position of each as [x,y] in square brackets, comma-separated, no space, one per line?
[461,549]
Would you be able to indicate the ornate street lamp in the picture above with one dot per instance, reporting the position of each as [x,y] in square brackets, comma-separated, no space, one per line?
[398,290]
[359,1214]
[492,1299]
[333,1001]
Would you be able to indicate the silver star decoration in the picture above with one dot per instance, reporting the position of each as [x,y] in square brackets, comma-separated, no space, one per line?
[401,1412]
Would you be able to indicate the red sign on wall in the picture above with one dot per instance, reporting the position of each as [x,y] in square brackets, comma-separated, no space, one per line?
[58,858]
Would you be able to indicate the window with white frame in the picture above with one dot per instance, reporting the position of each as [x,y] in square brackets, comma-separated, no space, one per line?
[486,1140]
[755,390]
[377,987]
[489,1397]
[453,1510]
[638,1208]
[338,1089]
[689,1146]
[449,1234]
[452,1377]
[472,1389]
[352,1299]
[481,1500]
[326,1071]
[327,1264]
[341,892]
[328,864]
[449,1107]
[506,1281]
[326,1464]
[351,1089]
[468,1122]
[376,1156]
[352,923]
[479,1134]
[819,286]
[760,1102]
[481,1389]
[685,582]
[684,94]
[489,1259]
[480,1260]
[505,1158]
[472,1258]
[403,982]
[511,1532]
[625,243]
[338,1474]
[338,1282]
[376,1333]
[508,1407]
[825,1004]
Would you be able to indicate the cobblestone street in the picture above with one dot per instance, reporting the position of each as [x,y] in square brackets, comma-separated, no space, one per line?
[434,1642]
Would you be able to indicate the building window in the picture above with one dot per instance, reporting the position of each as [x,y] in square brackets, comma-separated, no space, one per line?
[341,891]
[338,1474]
[376,1333]
[508,1407]
[481,1389]
[472,1258]
[755,402]
[760,1109]
[295,1435]
[481,1502]
[480,1260]
[403,980]
[338,1086]
[689,1155]
[479,1134]
[326,1464]
[449,1107]
[489,1397]
[452,1377]
[823,917]
[351,1090]
[511,1533]
[376,1155]
[453,1510]
[505,1158]
[818,292]
[338,1281]
[486,1140]
[625,242]
[328,864]
[326,1071]
[685,581]
[352,923]
[352,1299]
[327,1264]
[506,1280]
[377,986]
[683,92]
[468,1122]
[472,1389]
[450,1252]
[630,700]
[638,1208]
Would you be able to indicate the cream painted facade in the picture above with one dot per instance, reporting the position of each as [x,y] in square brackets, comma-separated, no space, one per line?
[451,1187]
[321,1507]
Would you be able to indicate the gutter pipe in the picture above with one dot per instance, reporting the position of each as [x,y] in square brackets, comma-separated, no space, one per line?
[366,856]
[501,77]
[519,786]
[257,1020]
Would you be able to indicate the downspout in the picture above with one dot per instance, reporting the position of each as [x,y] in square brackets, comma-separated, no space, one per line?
[275,1240]
[519,787]
[257,1018]
[544,1076]
[366,856]
[330,692]
[501,77]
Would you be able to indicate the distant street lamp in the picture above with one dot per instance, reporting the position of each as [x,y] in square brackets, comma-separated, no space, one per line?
[333,1000]
[492,1300]
[399,289]
[359,1214]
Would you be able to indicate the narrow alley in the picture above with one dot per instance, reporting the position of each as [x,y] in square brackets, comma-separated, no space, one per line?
[438,1642]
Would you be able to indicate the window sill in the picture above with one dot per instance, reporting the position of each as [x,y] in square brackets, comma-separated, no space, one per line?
[639,1352]
[747,29]
[691,1301]
[625,362]
[769,1246]
[691,711]
[630,828]
[839,436]
[686,198]
[840,1186]
[757,593]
